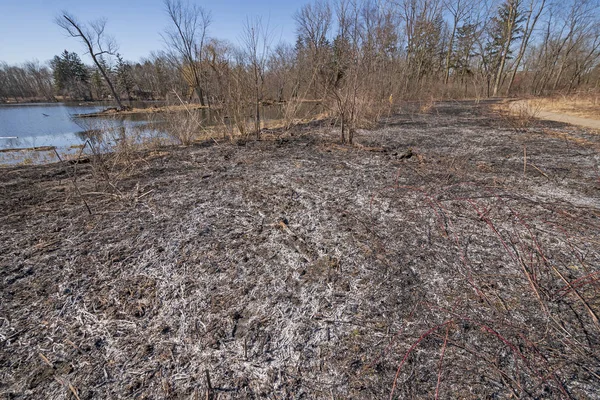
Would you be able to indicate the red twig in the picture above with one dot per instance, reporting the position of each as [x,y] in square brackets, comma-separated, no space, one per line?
[594,277]
[423,336]
[437,387]
[510,253]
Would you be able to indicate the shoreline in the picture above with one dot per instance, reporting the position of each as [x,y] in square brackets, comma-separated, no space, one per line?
[114,112]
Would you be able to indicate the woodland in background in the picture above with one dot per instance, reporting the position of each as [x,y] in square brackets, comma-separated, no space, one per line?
[358,57]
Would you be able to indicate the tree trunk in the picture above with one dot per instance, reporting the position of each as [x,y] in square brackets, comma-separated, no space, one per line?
[529,27]
[500,71]
[258,101]
[449,53]
[257,123]
[200,94]
[108,81]
[343,137]
[506,48]
[558,76]
[94,57]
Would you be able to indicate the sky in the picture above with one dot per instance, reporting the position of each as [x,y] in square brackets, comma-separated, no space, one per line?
[28,31]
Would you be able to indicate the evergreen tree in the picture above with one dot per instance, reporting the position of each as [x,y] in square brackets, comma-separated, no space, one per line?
[98,85]
[71,77]
[464,50]
[505,29]
[124,74]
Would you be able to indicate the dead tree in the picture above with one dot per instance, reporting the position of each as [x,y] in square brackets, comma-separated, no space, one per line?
[97,42]
[256,44]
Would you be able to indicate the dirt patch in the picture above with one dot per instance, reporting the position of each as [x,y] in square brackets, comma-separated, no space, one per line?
[438,256]
[569,119]
[587,107]
[523,114]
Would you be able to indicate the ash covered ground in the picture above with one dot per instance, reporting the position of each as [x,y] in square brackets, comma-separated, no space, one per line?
[443,255]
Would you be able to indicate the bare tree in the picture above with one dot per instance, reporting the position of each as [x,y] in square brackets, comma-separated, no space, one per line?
[280,66]
[313,22]
[313,27]
[534,11]
[458,9]
[96,40]
[256,42]
[582,18]
[186,38]
[42,79]
[355,82]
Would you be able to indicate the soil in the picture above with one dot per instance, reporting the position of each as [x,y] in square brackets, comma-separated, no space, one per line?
[443,255]
[570,119]
[569,113]
[577,106]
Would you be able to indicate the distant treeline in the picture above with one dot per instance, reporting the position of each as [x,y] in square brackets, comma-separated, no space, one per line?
[377,51]
[67,77]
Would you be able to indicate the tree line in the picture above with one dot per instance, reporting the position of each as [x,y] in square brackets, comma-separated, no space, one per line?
[356,56]
[67,77]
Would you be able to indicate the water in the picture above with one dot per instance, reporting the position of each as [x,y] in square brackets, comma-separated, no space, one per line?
[49,124]
[25,126]
[55,126]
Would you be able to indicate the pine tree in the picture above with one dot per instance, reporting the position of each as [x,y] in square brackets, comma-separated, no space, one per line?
[124,76]
[98,85]
[463,50]
[71,77]
[505,29]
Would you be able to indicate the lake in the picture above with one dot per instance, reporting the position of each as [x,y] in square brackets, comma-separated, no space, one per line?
[55,125]
[50,124]
[24,126]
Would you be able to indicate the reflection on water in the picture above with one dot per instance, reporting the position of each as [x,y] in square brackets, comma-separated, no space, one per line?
[25,126]
[50,124]
[44,124]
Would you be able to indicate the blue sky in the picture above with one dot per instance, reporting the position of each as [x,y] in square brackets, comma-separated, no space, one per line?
[28,31]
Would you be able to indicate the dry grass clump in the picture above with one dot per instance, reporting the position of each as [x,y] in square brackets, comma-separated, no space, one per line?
[290,111]
[371,112]
[520,115]
[426,106]
[114,150]
[185,126]
[586,105]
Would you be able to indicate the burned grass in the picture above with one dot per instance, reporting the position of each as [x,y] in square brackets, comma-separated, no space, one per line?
[438,258]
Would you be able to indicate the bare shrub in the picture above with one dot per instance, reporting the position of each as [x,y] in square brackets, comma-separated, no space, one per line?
[520,115]
[290,112]
[114,149]
[182,127]
[427,106]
